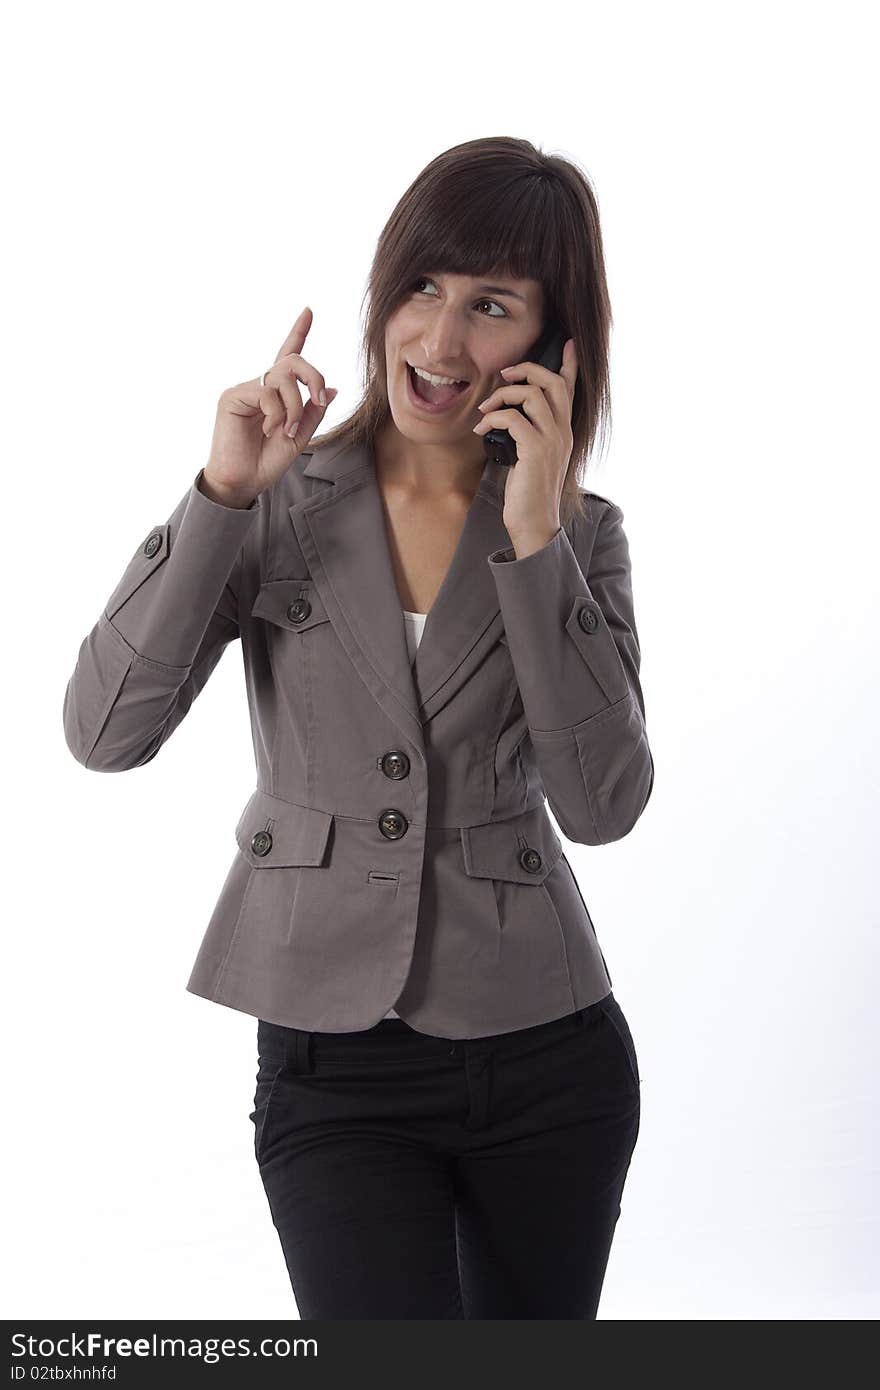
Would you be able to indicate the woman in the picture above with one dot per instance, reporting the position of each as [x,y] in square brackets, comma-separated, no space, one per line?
[447,1097]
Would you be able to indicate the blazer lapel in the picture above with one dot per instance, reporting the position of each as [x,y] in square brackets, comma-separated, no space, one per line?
[343,535]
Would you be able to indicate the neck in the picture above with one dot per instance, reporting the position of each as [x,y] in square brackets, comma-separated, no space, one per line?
[426,470]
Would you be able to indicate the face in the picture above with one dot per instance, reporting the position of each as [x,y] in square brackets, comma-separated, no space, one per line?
[462,326]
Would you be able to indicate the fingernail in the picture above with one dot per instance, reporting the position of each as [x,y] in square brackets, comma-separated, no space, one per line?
[322,396]
[293,429]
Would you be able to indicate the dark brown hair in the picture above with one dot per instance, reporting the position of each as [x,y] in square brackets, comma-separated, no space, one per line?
[497,204]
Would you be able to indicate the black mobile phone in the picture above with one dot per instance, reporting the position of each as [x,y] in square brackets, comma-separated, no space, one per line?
[547,352]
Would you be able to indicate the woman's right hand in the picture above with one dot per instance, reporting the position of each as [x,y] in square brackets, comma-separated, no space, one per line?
[251,448]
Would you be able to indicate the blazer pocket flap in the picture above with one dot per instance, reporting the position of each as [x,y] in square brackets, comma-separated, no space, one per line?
[149,554]
[522,849]
[291,603]
[274,834]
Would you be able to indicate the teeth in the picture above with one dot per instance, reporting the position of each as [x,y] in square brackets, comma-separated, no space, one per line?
[438,380]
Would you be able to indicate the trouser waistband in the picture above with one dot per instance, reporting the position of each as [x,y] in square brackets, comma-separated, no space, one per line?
[302,1049]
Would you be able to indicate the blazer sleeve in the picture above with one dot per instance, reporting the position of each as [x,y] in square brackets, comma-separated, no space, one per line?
[160,635]
[572,637]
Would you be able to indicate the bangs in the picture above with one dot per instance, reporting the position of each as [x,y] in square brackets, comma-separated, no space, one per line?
[504,229]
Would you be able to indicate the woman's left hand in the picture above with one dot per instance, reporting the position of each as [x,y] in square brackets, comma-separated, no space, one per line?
[543,437]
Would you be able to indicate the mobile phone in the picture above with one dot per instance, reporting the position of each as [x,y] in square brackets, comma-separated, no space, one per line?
[547,352]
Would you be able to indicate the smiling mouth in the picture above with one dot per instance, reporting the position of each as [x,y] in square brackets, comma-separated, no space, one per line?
[433,398]
[460,382]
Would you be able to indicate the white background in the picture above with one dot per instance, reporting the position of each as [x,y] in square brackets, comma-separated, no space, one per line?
[180,180]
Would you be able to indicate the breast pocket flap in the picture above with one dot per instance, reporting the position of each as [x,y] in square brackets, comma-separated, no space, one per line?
[291,603]
[522,849]
[274,834]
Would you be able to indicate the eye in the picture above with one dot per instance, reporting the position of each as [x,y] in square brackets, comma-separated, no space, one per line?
[424,280]
[503,313]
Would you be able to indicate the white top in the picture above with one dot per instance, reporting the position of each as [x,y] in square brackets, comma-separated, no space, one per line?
[414,624]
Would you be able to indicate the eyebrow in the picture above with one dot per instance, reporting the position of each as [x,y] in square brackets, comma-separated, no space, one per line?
[499,289]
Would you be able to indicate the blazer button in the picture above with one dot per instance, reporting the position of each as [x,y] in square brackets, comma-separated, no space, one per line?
[531,860]
[299,610]
[261,843]
[153,544]
[395,765]
[587,619]
[393,824]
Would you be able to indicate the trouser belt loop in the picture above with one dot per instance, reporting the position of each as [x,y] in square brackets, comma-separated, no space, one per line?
[302,1059]
[586,1015]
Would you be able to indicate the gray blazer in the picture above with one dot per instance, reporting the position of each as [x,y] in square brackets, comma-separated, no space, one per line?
[397,850]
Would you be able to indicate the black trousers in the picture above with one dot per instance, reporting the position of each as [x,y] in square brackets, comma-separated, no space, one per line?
[412,1176]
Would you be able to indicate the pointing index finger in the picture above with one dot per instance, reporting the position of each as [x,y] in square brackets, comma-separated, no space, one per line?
[296,338]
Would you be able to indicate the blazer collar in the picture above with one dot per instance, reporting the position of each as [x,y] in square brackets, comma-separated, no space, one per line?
[342,532]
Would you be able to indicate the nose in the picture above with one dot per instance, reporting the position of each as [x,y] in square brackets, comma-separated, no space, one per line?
[442,340]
